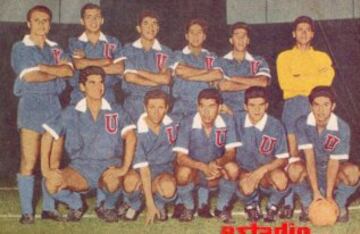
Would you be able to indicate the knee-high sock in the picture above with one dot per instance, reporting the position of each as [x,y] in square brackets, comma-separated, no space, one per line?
[227,190]
[161,201]
[185,194]
[100,197]
[26,193]
[275,196]
[303,191]
[48,202]
[289,199]
[250,200]
[343,192]
[72,199]
[111,198]
[203,196]
[134,199]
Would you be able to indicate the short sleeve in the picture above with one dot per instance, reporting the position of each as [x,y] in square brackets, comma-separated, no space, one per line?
[140,155]
[117,53]
[281,150]
[263,68]
[182,144]
[341,144]
[232,139]
[22,60]
[301,136]
[125,122]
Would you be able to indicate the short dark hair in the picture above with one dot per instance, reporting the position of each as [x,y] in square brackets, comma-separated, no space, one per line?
[240,25]
[147,13]
[89,6]
[88,71]
[304,19]
[156,94]
[322,91]
[256,92]
[201,22]
[40,8]
[210,93]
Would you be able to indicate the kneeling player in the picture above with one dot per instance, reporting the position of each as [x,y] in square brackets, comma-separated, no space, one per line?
[325,139]
[262,156]
[205,156]
[154,158]
[94,134]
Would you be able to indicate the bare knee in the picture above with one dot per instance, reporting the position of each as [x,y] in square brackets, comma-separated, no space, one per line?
[245,186]
[52,185]
[132,181]
[109,185]
[232,170]
[166,185]
[279,179]
[350,174]
[184,175]
[296,172]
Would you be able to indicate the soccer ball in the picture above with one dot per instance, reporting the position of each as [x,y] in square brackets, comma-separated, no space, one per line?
[323,212]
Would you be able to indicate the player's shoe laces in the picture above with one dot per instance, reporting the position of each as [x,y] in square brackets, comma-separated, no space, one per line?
[178,209]
[204,212]
[74,215]
[224,215]
[286,212]
[343,216]
[186,215]
[27,219]
[253,213]
[52,215]
[271,213]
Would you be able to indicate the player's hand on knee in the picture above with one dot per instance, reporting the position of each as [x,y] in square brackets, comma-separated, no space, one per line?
[256,176]
[152,213]
[114,173]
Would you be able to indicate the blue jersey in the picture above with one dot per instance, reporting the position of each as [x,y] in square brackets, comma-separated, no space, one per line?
[332,143]
[87,140]
[26,57]
[185,92]
[106,47]
[250,66]
[155,150]
[154,60]
[193,141]
[261,143]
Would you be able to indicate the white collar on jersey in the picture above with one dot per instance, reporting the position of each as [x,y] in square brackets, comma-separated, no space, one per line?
[219,122]
[28,42]
[187,50]
[248,56]
[83,37]
[332,125]
[81,105]
[142,127]
[155,46]
[259,125]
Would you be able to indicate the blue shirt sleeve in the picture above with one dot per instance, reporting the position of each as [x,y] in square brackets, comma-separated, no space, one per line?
[341,144]
[263,68]
[281,150]
[125,122]
[22,60]
[140,159]
[232,139]
[182,144]
[300,131]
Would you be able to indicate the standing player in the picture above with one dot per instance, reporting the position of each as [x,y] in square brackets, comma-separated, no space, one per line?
[100,142]
[262,156]
[193,69]
[206,150]
[240,69]
[300,69]
[154,158]
[147,64]
[325,140]
[38,64]
[93,48]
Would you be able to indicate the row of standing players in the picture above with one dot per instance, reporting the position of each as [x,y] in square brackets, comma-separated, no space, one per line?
[41,67]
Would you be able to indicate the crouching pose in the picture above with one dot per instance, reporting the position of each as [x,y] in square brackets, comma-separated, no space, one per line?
[95,134]
[261,157]
[206,150]
[325,140]
[153,163]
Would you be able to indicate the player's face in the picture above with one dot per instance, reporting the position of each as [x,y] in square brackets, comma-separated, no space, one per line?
[240,40]
[39,23]
[92,20]
[94,87]
[303,34]
[256,108]
[208,110]
[195,36]
[156,109]
[322,108]
[149,28]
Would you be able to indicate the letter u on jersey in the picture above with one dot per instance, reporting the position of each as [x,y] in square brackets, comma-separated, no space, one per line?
[267,144]
[111,123]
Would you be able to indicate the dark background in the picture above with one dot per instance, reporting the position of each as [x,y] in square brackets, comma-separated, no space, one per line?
[339,38]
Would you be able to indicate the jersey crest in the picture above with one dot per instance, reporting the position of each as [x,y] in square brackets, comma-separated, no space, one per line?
[111,123]
[254,67]
[108,50]
[331,142]
[209,62]
[171,133]
[220,137]
[56,53]
[161,59]
[267,144]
